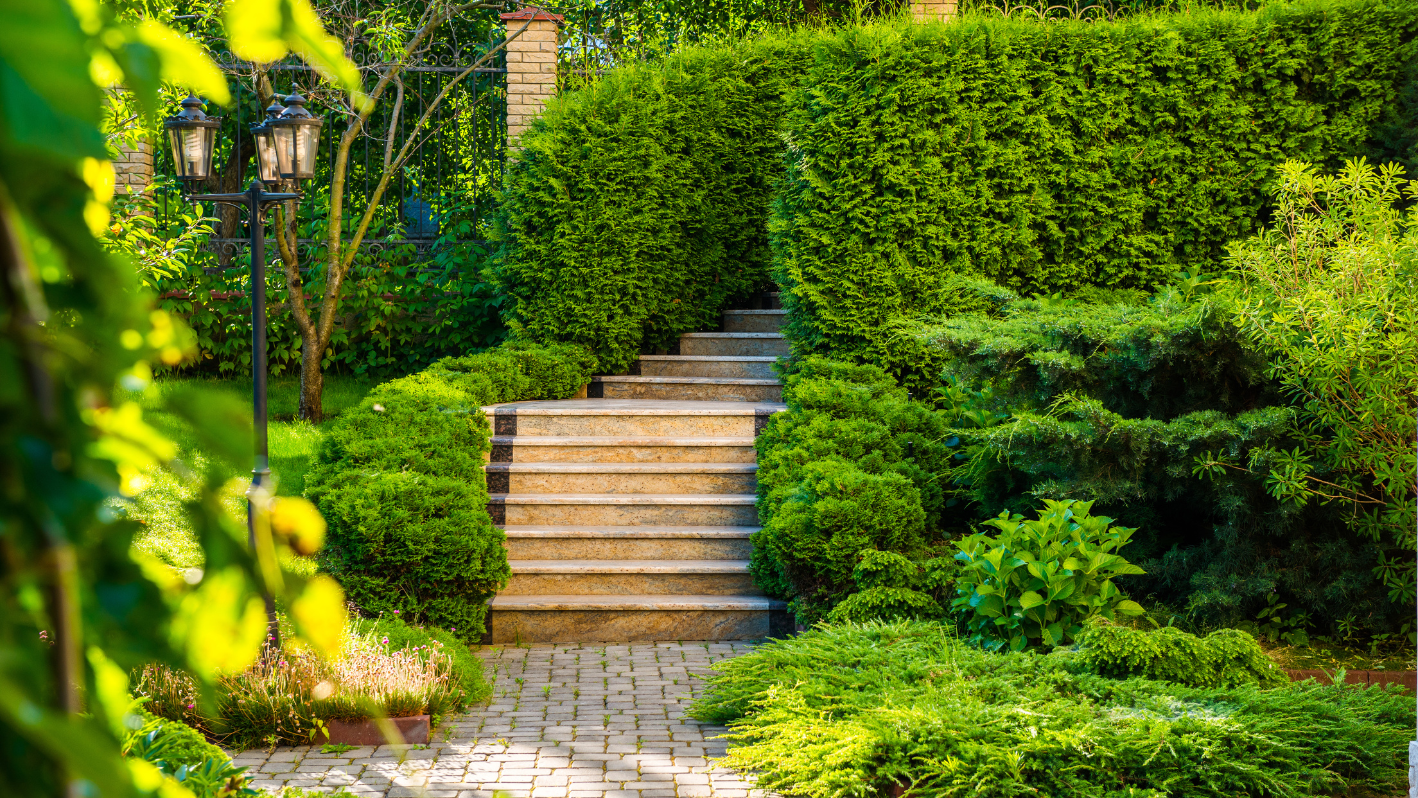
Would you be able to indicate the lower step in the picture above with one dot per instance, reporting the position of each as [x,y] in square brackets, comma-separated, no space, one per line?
[630,577]
[633,619]
[623,509]
[629,542]
[686,389]
[624,449]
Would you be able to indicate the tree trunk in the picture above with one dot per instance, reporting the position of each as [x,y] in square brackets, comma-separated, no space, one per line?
[312,380]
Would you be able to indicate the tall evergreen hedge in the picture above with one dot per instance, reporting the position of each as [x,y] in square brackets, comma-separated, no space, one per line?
[1051,156]
[636,208]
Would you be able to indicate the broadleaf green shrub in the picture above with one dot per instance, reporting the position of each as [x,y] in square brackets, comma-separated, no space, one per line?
[634,210]
[1037,582]
[399,479]
[1223,658]
[1050,157]
[852,710]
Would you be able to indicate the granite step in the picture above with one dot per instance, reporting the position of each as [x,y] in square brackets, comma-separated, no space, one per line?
[631,478]
[620,449]
[630,417]
[742,367]
[686,389]
[623,509]
[630,577]
[629,542]
[754,320]
[736,344]
[614,619]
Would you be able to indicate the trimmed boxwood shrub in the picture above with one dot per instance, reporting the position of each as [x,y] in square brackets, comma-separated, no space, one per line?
[399,479]
[634,210]
[1048,157]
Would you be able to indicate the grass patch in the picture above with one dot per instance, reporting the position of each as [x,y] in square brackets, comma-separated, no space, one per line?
[293,445]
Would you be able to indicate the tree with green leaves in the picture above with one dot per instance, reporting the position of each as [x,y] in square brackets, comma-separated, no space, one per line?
[78,610]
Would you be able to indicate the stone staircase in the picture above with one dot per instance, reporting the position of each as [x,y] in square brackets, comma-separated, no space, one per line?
[628,513]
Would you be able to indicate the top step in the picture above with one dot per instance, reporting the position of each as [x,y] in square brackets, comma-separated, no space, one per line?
[754,320]
[630,417]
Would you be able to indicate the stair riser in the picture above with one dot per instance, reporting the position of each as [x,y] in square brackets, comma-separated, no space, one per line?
[628,626]
[693,392]
[630,585]
[732,369]
[623,549]
[740,347]
[658,426]
[631,515]
[753,322]
[631,483]
[633,454]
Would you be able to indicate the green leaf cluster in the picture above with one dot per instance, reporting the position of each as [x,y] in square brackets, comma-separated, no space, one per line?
[633,211]
[399,479]
[1037,582]
[1223,658]
[852,710]
[1050,157]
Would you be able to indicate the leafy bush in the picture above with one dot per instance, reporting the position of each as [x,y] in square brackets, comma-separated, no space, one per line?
[1037,582]
[853,709]
[634,210]
[1224,658]
[180,744]
[400,481]
[1048,157]
[1328,295]
[1112,402]
[851,469]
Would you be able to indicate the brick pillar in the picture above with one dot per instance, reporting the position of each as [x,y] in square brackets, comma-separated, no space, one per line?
[927,10]
[531,66]
[133,169]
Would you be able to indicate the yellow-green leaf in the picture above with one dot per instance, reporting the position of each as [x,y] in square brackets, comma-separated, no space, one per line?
[320,614]
[1130,608]
[265,30]
[184,62]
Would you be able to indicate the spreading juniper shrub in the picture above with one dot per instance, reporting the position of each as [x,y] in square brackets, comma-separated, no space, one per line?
[847,710]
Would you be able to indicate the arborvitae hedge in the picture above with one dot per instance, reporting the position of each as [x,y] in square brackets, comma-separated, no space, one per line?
[399,479]
[1051,156]
[636,208]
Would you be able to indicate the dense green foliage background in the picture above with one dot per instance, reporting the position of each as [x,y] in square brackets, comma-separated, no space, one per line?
[633,211]
[401,483]
[1052,157]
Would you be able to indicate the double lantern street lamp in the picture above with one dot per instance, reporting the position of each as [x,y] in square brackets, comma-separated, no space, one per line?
[286,145]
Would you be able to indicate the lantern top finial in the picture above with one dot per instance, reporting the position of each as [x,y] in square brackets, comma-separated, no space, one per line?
[275,108]
[295,108]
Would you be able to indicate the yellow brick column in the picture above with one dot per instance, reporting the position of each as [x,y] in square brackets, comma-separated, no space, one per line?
[927,10]
[531,66]
[133,169]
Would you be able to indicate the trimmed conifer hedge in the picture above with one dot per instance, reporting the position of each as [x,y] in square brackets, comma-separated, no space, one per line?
[635,210]
[400,482]
[1051,156]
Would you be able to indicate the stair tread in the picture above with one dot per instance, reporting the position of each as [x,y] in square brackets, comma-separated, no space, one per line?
[774,311]
[745,335]
[715,358]
[628,566]
[625,498]
[634,407]
[635,602]
[624,468]
[690,380]
[617,440]
[532,531]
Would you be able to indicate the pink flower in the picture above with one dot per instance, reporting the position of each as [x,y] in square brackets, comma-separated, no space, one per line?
[396,612]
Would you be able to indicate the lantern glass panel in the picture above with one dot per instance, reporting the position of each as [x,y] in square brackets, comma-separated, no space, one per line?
[266,160]
[307,145]
[191,151]
[284,139]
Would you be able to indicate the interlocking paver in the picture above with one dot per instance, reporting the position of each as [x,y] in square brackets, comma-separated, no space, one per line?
[565,721]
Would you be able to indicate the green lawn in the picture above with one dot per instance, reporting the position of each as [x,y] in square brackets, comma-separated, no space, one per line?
[293,445]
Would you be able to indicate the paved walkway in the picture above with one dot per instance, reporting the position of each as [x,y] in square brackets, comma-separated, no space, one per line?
[566,720]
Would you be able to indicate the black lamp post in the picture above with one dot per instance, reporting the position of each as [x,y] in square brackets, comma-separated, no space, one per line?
[285,150]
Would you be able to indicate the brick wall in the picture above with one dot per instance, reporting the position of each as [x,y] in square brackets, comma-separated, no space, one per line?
[531,66]
[133,169]
[925,10]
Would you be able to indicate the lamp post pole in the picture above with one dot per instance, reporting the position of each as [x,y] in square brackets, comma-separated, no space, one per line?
[257,199]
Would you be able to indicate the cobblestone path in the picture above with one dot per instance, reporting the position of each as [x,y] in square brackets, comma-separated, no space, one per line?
[573,720]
